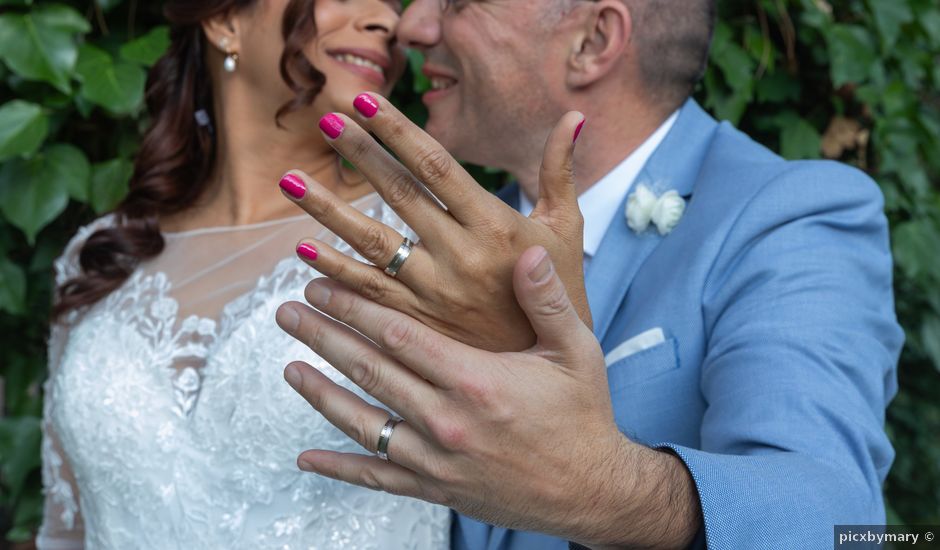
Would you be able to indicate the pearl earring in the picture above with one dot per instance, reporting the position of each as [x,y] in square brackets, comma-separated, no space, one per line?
[230,63]
[231,59]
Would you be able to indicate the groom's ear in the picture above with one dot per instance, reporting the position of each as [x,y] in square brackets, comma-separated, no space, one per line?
[223,32]
[601,43]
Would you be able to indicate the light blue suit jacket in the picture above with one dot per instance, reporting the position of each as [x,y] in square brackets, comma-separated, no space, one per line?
[775,296]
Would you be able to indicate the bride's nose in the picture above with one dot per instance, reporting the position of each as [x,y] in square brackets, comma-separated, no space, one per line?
[380,19]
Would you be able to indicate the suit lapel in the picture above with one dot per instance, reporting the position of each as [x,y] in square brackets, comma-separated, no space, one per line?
[673,166]
[509,194]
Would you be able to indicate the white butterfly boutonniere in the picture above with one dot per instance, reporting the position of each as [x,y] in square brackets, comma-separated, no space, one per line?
[644,207]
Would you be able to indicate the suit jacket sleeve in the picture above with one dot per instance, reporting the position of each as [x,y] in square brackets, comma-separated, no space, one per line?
[800,364]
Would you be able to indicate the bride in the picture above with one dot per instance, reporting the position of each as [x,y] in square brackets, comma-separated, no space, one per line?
[167,420]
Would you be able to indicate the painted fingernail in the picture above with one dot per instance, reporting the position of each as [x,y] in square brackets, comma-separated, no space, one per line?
[366,105]
[293,186]
[307,252]
[542,270]
[577,131]
[332,126]
[318,295]
[293,376]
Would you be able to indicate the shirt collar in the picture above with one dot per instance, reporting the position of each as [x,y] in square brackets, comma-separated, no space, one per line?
[600,203]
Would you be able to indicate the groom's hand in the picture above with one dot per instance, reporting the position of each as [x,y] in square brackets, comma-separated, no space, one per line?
[458,279]
[525,440]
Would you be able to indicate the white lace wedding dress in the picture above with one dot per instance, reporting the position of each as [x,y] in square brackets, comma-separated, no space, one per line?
[168,423]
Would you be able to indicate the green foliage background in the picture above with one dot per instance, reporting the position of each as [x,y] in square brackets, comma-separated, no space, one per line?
[855,80]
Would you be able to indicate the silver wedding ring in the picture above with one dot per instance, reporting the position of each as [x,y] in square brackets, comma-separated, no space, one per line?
[385,436]
[404,251]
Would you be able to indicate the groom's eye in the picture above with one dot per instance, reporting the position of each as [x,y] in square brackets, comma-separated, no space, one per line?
[453,4]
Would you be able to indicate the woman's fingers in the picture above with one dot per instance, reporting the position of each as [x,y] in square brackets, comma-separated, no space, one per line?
[413,203]
[370,281]
[558,196]
[430,163]
[375,241]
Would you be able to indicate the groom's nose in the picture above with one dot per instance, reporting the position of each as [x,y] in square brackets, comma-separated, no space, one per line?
[420,25]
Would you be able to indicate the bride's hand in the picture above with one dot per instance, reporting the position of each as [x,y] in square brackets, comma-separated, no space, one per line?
[458,279]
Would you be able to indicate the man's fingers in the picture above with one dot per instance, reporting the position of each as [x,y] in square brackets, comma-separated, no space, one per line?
[369,472]
[558,196]
[430,163]
[351,414]
[368,280]
[359,360]
[422,350]
[545,302]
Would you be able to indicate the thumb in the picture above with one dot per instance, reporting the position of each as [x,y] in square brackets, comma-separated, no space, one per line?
[558,197]
[545,302]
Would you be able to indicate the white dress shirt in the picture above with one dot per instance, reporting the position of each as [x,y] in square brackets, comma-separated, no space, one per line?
[601,202]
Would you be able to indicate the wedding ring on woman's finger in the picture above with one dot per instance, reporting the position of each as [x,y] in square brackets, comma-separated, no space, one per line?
[404,251]
[385,436]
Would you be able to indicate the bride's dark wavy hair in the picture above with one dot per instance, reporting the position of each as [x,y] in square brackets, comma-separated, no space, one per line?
[177,154]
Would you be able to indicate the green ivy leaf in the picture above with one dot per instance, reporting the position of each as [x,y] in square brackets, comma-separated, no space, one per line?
[889,16]
[12,287]
[23,128]
[852,53]
[34,192]
[109,184]
[19,445]
[118,87]
[108,5]
[147,49]
[41,45]
[799,139]
[915,249]
[930,338]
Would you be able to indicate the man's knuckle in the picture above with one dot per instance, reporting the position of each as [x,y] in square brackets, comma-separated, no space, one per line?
[556,303]
[371,479]
[448,433]
[398,335]
[363,373]
[360,432]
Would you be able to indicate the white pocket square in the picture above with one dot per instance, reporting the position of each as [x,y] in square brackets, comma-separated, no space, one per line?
[638,343]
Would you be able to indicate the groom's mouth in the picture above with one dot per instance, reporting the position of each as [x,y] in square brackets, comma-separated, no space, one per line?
[441,84]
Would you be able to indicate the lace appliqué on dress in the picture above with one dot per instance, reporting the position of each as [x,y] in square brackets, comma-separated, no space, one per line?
[183,433]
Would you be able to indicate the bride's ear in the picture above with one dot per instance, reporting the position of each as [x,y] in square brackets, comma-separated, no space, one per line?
[601,42]
[223,33]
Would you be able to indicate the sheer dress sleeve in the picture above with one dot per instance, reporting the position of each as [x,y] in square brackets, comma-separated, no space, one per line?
[62,526]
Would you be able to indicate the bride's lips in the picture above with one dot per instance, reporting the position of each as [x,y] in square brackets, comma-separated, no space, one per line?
[369,64]
[442,83]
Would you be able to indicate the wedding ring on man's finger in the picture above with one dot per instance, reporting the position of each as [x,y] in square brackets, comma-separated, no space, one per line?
[385,436]
[404,251]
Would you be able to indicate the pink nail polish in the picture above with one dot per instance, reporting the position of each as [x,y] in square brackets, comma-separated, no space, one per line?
[366,105]
[293,186]
[332,126]
[307,251]
[577,131]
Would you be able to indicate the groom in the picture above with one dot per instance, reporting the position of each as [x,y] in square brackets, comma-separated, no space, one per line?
[745,344]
